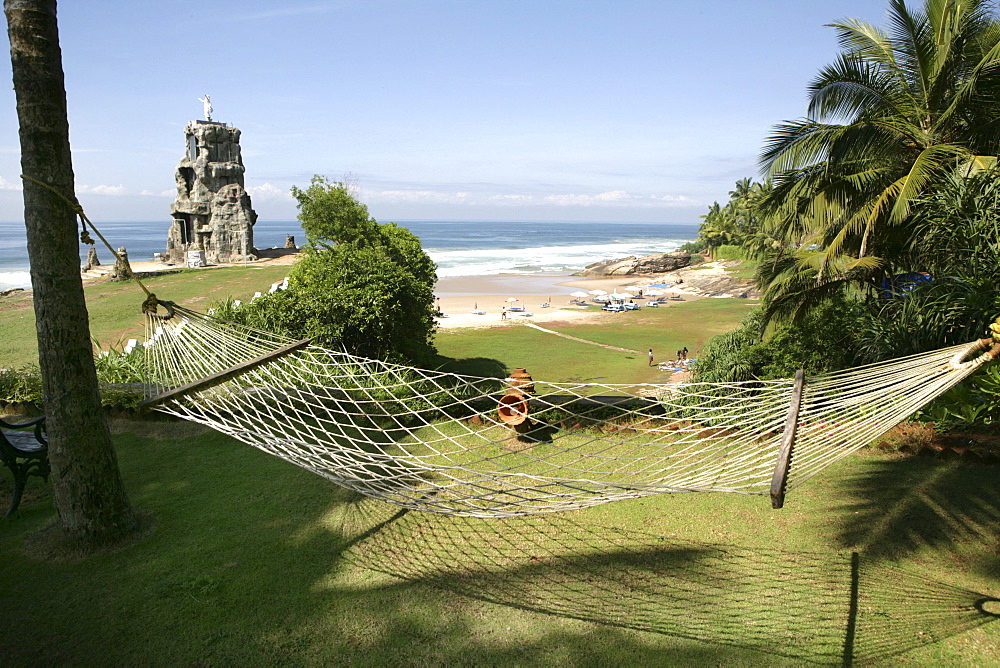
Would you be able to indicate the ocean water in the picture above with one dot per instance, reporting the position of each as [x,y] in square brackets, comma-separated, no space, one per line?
[140,239]
[460,248]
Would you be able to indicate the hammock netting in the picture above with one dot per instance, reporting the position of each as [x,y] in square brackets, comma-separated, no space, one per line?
[434,441]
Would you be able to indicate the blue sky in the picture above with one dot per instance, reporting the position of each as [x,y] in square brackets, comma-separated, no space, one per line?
[451,110]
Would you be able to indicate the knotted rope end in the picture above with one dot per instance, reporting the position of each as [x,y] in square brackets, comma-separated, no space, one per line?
[149,307]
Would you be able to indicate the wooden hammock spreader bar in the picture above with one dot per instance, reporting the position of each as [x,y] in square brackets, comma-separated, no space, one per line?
[225,374]
[785,451]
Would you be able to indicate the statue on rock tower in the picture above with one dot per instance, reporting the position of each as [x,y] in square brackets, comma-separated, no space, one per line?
[212,212]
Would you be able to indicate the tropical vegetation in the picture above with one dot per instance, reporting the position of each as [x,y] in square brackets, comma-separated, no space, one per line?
[879,210]
[901,110]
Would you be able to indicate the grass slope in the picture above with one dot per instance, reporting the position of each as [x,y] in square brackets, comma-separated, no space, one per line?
[115,308]
[548,357]
[255,561]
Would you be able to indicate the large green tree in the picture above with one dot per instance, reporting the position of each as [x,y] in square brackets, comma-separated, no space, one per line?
[87,487]
[900,109]
[362,286]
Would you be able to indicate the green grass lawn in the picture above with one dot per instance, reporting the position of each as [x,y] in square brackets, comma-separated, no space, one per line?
[115,308]
[884,559]
[254,561]
[548,357]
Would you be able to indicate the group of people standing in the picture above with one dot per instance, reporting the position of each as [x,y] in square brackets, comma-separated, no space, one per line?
[682,355]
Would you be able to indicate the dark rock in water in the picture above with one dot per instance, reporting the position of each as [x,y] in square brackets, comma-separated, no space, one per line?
[657,263]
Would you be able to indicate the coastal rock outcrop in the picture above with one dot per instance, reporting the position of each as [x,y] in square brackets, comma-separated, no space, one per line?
[717,285]
[657,263]
[212,211]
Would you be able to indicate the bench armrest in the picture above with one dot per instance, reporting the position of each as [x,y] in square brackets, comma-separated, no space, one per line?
[38,423]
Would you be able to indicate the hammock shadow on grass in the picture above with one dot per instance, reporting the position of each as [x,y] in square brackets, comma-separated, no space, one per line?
[824,608]
[901,505]
[484,367]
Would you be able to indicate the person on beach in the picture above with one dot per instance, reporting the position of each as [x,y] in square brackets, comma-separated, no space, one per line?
[650,357]
[503,313]
[685,352]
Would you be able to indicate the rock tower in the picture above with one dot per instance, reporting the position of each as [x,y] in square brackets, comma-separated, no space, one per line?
[212,212]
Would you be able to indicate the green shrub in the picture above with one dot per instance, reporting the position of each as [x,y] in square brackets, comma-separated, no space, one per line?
[971,405]
[825,340]
[119,374]
[114,365]
[22,385]
[361,286]
[728,252]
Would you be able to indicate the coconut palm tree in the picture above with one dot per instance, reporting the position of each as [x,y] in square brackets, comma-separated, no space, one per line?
[899,109]
[86,483]
[716,230]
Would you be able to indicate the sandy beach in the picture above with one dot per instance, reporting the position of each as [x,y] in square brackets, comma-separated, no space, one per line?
[459,297]
[479,301]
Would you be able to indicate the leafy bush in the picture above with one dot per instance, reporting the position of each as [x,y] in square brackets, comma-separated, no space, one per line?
[825,340]
[22,385]
[949,310]
[970,405]
[362,286]
[114,365]
[119,374]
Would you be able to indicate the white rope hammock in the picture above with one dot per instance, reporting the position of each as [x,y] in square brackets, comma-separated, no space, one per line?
[434,441]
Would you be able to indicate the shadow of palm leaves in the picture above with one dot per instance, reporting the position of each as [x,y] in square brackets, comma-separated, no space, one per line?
[899,506]
[820,608]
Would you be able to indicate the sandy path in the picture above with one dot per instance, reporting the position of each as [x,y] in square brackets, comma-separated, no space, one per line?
[573,338]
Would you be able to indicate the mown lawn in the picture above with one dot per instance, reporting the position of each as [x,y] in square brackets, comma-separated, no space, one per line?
[115,308]
[548,357]
[253,561]
[885,559]
[115,317]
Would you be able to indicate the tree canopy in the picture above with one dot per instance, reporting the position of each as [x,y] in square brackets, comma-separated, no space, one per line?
[875,232]
[362,286]
[901,109]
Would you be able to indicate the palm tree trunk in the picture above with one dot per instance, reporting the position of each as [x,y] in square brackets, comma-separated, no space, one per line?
[89,495]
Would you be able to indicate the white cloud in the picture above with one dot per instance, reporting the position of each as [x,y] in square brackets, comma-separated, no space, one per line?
[680,200]
[613,196]
[162,193]
[483,197]
[101,190]
[8,185]
[419,196]
[267,192]
[511,199]
[621,198]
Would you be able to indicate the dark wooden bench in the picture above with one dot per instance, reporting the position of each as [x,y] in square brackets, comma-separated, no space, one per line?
[24,450]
